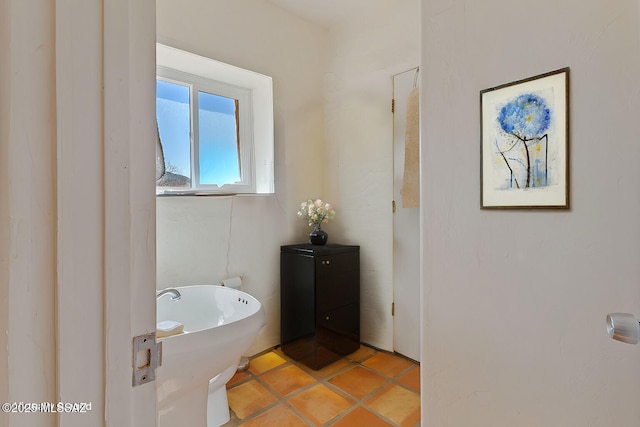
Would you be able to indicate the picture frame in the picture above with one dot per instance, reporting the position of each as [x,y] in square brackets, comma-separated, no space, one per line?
[524,149]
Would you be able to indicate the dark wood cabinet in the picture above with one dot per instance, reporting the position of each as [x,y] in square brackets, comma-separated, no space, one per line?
[320,302]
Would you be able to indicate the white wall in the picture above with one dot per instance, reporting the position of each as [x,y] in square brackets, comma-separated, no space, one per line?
[206,239]
[515,301]
[365,51]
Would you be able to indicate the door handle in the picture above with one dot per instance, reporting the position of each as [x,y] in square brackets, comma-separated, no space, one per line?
[623,327]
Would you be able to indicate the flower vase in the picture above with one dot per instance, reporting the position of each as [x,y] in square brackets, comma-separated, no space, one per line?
[318,236]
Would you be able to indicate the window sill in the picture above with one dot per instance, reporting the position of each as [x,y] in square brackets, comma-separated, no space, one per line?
[196,193]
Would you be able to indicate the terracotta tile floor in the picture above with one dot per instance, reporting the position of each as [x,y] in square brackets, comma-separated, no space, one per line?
[368,388]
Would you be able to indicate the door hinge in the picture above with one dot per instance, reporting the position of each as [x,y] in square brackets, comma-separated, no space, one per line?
[147,356]
[393,206]
[393,308]
[393,105]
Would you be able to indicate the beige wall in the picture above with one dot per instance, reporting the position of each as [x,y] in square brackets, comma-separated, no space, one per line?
[207,239]
[365,51]
[515,301]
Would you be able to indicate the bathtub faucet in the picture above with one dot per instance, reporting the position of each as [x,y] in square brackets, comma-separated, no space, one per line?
[175,295]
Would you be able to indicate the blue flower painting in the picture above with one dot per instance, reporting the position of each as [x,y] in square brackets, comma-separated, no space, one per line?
[524,147]
[524,129]
[526,117]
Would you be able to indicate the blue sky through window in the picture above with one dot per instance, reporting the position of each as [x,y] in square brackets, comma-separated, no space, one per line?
[218,145]
[218,140]
[174,123]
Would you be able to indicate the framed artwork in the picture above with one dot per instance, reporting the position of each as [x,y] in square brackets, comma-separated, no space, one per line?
[524,158]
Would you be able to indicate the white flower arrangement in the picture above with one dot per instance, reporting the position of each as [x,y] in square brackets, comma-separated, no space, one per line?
[316,212]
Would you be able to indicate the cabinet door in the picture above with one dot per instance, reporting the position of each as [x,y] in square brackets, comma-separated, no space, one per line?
[339,329]
[337,280]
[296,297]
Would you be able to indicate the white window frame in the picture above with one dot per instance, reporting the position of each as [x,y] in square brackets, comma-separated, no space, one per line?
[198,84]
[255,94]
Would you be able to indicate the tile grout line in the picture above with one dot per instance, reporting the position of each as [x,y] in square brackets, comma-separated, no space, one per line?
[279,399]
[285,399]
[389,381]
[325,380]
[362,402]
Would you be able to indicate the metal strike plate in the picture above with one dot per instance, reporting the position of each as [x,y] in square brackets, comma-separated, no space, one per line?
[147,356]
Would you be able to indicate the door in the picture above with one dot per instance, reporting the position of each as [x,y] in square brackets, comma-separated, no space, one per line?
[85,272]
[105,87]
[129,77]
[406,233]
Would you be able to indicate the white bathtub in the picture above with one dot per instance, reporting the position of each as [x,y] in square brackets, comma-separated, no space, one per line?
[220,324]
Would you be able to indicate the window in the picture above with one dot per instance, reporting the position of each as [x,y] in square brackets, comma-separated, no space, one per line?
[215,123]
[205,130]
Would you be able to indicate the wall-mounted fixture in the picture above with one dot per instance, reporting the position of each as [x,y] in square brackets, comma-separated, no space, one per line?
[623,327]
